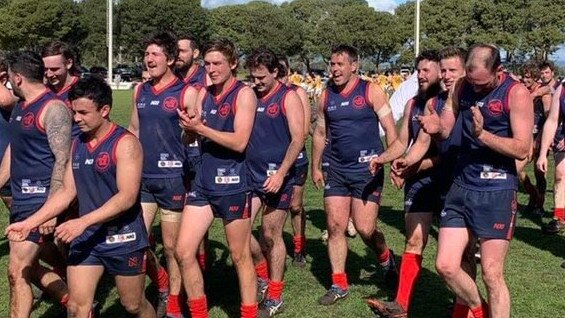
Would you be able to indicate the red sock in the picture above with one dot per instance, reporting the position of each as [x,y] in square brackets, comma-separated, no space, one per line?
[410,268]
[340,279]
[198,307]
[299,241]
[248,311]
[64,300]
[460,311]
[478,312]
[202,261]
[173,305]
[262,270]
[383,258]
[559,213]
[162,280]
[275,290]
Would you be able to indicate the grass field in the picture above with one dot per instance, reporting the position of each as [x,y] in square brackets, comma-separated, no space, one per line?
[534,275]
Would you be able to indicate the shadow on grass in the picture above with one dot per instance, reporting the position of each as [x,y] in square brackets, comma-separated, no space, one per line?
[534,237]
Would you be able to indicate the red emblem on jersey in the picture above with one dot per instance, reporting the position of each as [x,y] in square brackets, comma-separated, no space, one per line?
[198,86]
[170,104]
[358,101]
[224,110]
[28,120]
[273,110]
[495,107]
[102,161]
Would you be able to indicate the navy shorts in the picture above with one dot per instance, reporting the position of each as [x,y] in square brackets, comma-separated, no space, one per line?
[20,212]
[168,193]
[227,207]
[359,185]
[280,200]
[126,264]
[422,195]
[489,214]
[300,174]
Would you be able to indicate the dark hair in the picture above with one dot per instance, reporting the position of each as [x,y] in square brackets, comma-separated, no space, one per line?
[346,49]
[166,40]
[28,64]
[530,68]
[226,47]
[265,57]
[94,88]
[192,39]
[284,66]
[62,48]
[491,62]
[546,64]
[452,51]
[429,55]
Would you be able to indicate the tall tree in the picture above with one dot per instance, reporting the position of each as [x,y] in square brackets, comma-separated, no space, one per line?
[33,23]
[93,19]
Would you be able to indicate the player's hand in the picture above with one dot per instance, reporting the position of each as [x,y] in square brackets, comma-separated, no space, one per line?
[375,165]
[48,227]
[70,230]
[560,145]
[191,122]
[541,164]
[477,121]
[399,166]
[430,123]
[397,180]
[273,183]
[541,91]
[318,178]
[18,232]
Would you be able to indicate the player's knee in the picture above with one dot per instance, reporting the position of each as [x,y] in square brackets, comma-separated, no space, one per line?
[17,274]
[169,248]
[75,309]
[492,275]
[267,242]
[240,256]
[366,232]
[415,244]
[295,210]
[335,229]
[183,257]
[132,306]
[446,268]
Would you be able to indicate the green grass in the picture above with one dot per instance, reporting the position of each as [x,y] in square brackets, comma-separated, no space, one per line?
[535,279]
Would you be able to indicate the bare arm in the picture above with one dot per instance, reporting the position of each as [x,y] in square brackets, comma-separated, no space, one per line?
[57,122]
[134,119]
[551,123]
[295,119]
[188,105]
[546,100]
[420,146]
[306,109]
[379,101]
[5,167]
[521,123]
[319,142]
[400,144]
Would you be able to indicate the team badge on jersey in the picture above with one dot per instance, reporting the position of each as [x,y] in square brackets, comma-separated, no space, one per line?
[359,102]
[495,107]
[28,120]
[102,161]
[224,110]
[273,110]
[170,104]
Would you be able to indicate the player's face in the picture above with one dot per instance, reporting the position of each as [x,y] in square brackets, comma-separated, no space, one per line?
[528,80]
[186,55]
[156,61]
[482,80]
[56,69]
[342,68]
[263,80]
[15,81]
[145,77]
[87,115]
[451,69]
[428,74]
[546,75]
[218,67]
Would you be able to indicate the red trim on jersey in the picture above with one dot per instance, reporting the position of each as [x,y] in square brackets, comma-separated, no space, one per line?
[234,105]
[283,103]
[506,104]
[40,111]
[367,88]
[101,140]
[164,88]
[182,93]
[190,75]
[25,104]
[115,148]
[218,98]
[68,87]
[345,93]
[272,92]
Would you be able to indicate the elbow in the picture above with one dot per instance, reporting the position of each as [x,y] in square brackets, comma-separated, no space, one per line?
[240,147]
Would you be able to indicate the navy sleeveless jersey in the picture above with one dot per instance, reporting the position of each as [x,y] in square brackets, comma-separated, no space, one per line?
[353,128]
[539,115]
[417,108]
[31,157]
[479,167]
[562,110]
[4,131]
[94,172]
[302,158]
[196,78]
[63,95]
[270,137]
[448,149]
[224,171]
[159,132]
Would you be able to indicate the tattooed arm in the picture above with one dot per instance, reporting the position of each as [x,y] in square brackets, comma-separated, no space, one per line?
[57,122]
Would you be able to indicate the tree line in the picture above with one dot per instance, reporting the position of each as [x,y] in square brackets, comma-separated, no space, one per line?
[304,29]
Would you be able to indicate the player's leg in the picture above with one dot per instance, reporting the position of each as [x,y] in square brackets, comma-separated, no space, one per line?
[493,254]
[259,259]
[557,224]
[170,221]
[82,280]
[22,256]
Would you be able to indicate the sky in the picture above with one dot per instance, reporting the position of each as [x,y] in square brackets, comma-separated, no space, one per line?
[380,5]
